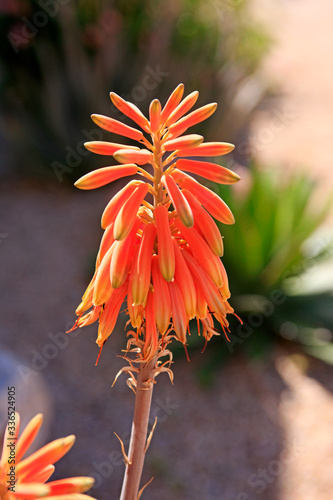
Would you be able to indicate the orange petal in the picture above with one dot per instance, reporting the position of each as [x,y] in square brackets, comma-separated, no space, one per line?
[110,314]
[208,149]
[135,312]
[115,204]
[106,148]
[172,102]
[211,171]
[128,156]
[179,318]
[151,335]
[116,127]
[102,287]
[87,297]
[130,110]
[179,201]
[186,141]
[155,115]
[142,273]
[205,224]
[28,436]
[49,454]
[127,214]
[89,318]
[102,176]
[106,243]
[202,252]
[40,476]
[191,119]
[122,255]
[183,107]
[165,245]
[70,485]
[12,426]
[207,287]
[162,301]
[31,491]
[224,289]
[210,200]
[185,283]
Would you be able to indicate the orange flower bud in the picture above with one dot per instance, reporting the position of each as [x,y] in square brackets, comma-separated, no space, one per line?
[182,108]
[210,200]
[102,287]
[28,436]
[211,171]
[185,283]
[202,252]
[130,110]
[49,454]
[121,257]
[155,115]
[180,203]
[140,157]
[70,485]
[205,224]
[191,119]
[116,127]
[87,319]
[106,242]
[151,335]
[162,301]
[179,318]
[87,297]
[208,149]
[115,204]
[110,314]
[172,102]
[186,141]
[101,176]
[165,245]
[106,148]
[142,270]
[127,214]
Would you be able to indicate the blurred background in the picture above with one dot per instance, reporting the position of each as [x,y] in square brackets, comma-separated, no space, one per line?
[247,419]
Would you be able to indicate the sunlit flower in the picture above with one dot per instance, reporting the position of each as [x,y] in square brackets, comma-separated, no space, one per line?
[25,478]
[162,254]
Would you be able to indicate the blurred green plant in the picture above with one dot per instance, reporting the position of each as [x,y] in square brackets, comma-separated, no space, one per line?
[271,251]
[59,59]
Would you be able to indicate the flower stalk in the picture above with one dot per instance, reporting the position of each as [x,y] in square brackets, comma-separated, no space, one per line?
[138,443]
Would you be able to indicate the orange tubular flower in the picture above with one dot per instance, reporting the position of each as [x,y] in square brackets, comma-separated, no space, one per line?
[27,478]
[164,256]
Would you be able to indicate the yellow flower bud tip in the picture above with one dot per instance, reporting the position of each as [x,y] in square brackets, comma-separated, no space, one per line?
[172,102]
[155,115]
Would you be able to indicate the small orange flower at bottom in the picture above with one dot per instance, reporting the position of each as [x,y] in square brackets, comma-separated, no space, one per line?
[26,479]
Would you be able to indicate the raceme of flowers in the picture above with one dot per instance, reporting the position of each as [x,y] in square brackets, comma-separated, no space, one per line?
[26,478]
[161,248]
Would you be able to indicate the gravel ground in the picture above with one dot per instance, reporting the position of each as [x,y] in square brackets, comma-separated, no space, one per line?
[213,442]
